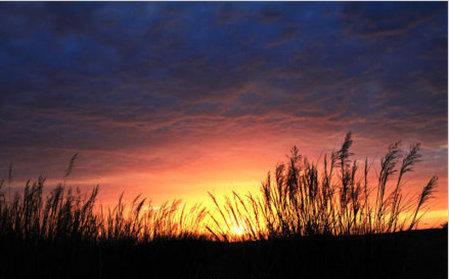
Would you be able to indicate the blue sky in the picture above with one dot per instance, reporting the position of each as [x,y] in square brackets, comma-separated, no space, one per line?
[156,86]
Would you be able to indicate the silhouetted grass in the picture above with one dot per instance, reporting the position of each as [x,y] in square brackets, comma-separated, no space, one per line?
[335,198]
[302,199]
[67,214]
[310,219]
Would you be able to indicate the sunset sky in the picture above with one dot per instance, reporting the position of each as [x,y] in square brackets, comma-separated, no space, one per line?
[176,99]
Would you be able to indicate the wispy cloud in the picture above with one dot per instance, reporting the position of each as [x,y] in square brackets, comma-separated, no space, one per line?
[156,86]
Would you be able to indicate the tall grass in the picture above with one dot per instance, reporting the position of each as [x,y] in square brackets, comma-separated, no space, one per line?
[334,197]
[66,214]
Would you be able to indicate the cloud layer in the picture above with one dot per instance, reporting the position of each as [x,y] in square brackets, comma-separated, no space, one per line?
[155,87]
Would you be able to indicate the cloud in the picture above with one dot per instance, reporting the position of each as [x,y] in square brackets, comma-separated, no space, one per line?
[129,83]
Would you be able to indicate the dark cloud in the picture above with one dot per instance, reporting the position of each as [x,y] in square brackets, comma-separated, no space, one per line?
[112,78]
[394,20]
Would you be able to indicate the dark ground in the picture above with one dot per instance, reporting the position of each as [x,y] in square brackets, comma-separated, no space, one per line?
[418,254]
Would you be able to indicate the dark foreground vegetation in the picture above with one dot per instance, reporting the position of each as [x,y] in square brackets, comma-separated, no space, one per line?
[311,219]
[415,254]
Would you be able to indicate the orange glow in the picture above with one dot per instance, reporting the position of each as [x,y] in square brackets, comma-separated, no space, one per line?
[241,164]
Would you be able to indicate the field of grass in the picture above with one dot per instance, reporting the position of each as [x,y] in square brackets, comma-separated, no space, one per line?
[310,220]
[415,254]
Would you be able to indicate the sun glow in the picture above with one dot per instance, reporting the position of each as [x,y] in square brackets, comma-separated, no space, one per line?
[237,230]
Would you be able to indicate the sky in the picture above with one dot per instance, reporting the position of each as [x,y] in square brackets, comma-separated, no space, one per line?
[172,100]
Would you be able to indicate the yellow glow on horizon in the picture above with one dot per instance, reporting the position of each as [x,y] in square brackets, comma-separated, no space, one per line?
[238,167]
[237,230]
